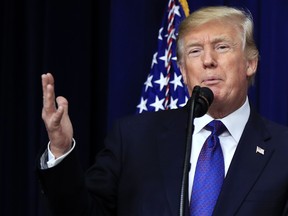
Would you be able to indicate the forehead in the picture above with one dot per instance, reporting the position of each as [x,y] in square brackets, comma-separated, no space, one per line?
[213,31]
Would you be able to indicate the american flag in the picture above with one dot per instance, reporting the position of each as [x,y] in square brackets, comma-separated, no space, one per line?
[164,87]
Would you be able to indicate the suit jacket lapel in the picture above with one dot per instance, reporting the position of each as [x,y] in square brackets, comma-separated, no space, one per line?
[246,166]
[171,143]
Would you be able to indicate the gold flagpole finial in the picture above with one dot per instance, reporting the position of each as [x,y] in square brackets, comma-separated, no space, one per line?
[185,7]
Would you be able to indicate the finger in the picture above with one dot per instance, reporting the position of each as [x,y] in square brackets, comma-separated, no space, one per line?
[58,115]
[49,100]
[46,80]
[48,93]
[62,109]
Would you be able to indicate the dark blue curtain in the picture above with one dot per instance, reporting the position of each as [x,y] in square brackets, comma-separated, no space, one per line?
[100,53]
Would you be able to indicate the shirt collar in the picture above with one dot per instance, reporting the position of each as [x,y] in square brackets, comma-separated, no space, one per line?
[234,122]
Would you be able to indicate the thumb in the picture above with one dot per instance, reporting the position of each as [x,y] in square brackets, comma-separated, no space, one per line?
[62,102]
[62,105]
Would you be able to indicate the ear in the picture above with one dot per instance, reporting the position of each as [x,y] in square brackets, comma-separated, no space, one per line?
[251,67]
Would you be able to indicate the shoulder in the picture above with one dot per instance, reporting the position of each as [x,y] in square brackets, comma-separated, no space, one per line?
[263,123]
[276,128]
[145,128]
[270,130]
[151,122]
[161,117]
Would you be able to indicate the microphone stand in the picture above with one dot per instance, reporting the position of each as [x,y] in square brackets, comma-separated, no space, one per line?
[186,167]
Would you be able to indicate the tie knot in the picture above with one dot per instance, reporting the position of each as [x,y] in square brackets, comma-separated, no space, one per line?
[216,127]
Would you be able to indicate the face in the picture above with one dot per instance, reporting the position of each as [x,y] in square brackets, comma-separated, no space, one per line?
[214,57]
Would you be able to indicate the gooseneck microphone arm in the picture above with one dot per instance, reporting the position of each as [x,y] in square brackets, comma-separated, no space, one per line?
[186,168]
[198,105]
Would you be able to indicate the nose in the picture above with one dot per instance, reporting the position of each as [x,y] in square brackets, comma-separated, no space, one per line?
[209,59]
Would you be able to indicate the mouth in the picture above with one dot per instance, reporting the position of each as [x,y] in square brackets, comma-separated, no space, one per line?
[211,81]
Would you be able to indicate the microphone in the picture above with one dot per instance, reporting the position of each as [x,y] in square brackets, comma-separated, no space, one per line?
[203,101]
[198,105]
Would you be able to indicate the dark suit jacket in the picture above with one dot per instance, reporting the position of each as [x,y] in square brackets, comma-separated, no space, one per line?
[140,170]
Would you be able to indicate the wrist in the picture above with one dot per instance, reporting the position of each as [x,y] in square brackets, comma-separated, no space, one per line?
[59,150]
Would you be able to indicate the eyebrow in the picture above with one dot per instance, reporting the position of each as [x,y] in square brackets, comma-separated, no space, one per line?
[215,40]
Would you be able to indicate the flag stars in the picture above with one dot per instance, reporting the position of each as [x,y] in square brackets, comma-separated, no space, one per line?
[177,81]
[174,58]
[142,106]
[158,104]
[165,58]
[176,10]
[154,60]
[160,33]
[173,103]
[162,81]
[183,104]
[172,35]
[155,91]
[148,82]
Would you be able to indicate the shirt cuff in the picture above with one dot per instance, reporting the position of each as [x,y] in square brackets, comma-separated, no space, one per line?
[51,161]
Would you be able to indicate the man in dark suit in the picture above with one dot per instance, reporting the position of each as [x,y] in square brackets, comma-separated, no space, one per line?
[139,172]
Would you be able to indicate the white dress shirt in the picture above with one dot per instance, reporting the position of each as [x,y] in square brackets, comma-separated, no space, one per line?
[235,124]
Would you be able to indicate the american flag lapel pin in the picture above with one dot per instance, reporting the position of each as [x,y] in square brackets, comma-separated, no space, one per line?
[260,150]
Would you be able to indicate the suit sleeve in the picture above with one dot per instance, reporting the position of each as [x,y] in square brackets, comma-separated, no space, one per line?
[71,191]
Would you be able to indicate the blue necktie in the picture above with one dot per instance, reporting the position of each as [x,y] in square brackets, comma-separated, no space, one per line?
[209,174]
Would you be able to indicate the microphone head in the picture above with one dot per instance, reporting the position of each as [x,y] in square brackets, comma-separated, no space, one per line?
[203,102]
[207,93]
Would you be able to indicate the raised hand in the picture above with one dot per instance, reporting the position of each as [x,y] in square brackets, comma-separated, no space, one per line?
[56,118]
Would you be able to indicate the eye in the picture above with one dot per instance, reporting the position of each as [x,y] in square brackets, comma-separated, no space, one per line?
[194,52]
[222,47]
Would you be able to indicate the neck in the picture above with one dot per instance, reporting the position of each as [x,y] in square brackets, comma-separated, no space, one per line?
[220,110]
